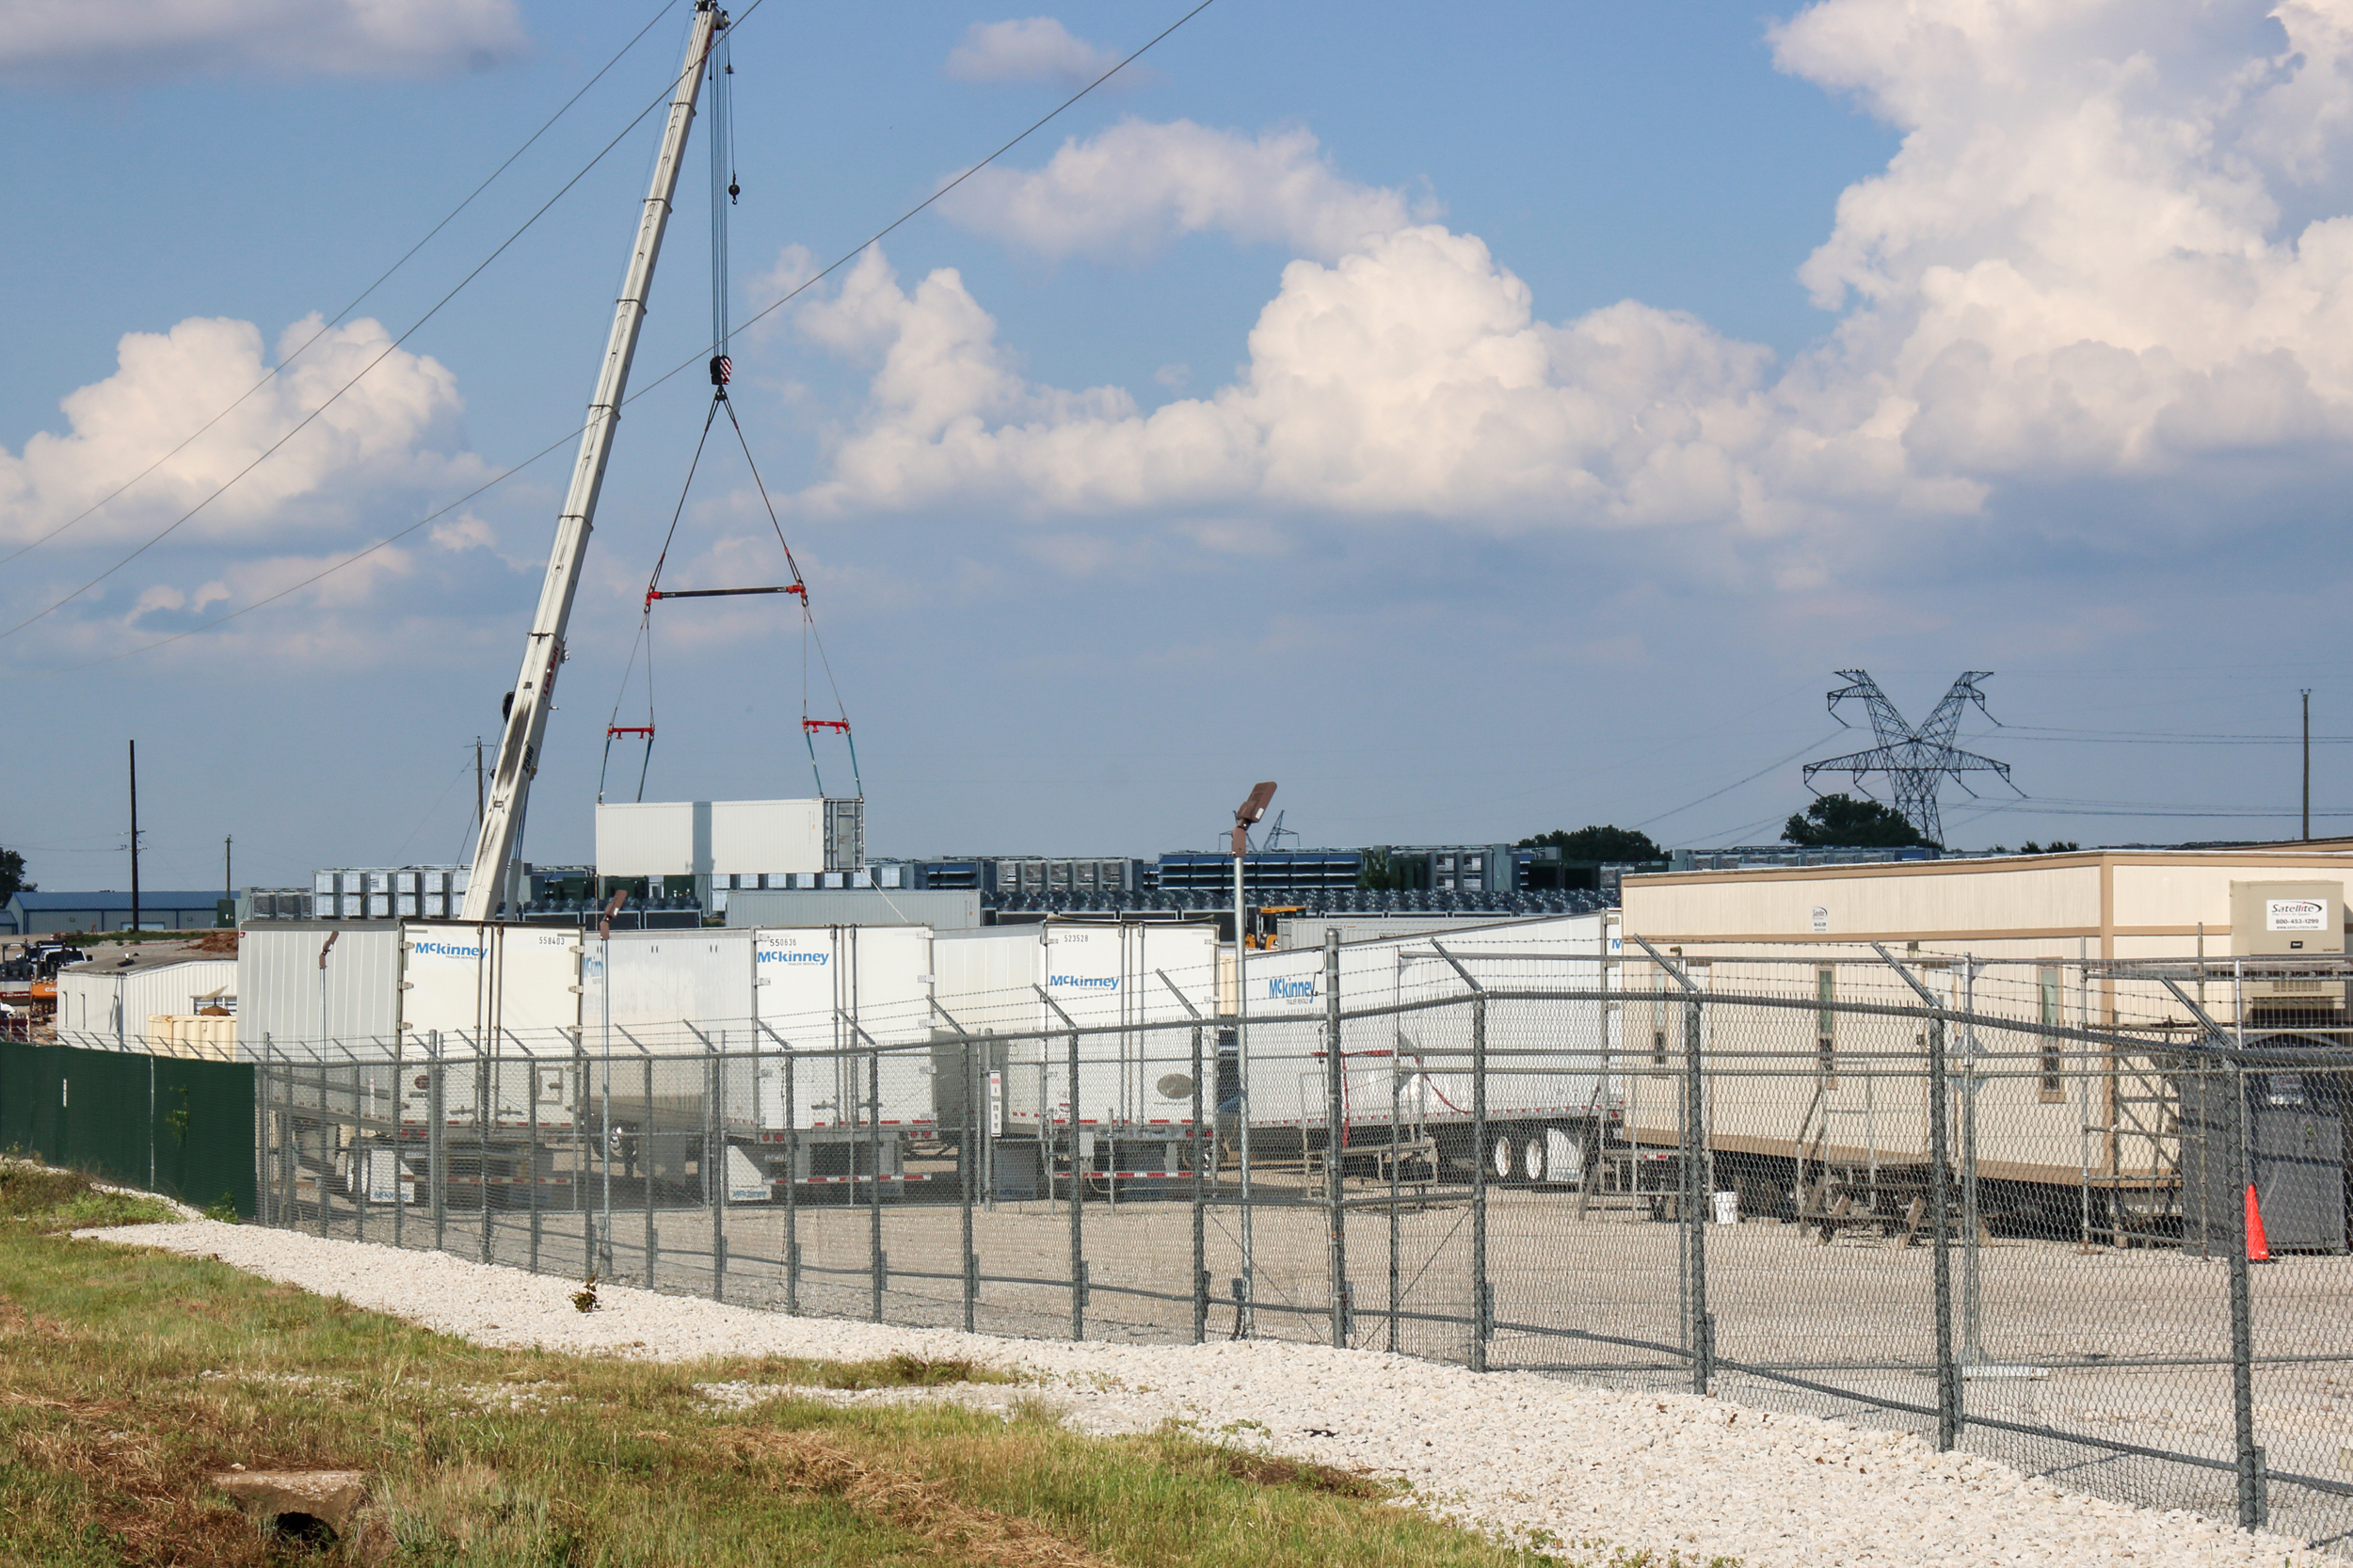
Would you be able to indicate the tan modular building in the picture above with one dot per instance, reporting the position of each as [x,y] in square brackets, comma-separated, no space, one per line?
[2096,904]
[1809,1092]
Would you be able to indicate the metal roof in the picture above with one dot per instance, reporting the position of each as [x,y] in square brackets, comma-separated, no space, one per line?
[160,898]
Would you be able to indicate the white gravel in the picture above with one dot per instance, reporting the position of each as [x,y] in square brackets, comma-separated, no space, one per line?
[1520,1455]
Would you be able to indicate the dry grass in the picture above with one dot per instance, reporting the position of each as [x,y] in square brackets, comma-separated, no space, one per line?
[957,1529]
[128,1377]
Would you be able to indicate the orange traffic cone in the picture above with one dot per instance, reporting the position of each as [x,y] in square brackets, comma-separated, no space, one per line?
[2258,1250]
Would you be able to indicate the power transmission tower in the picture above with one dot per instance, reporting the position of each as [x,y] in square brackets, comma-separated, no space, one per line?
[1915,761]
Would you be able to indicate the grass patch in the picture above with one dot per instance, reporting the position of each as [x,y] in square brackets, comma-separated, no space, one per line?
[127,1377]
[893,1371]
[45,1201]
[903,1371]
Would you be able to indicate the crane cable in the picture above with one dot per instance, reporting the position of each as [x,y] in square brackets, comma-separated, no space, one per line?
[725,191]
[647,390]
[286,360]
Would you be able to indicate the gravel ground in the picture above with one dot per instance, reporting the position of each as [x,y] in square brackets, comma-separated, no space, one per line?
[1521,1455]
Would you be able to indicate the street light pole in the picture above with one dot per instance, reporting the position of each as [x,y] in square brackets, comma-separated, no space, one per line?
[1247,812]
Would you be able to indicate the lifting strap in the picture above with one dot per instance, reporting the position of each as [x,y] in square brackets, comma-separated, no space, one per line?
[724,192]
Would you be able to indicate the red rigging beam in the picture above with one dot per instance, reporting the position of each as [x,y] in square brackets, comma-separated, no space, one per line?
[652,593]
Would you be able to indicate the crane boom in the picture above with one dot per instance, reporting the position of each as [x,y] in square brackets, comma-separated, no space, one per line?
[526,717]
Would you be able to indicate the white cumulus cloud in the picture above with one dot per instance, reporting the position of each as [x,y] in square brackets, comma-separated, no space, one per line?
[1033,49]
[1411,377]
[2113,243]
[1139,186]
[60,43]
[395,431]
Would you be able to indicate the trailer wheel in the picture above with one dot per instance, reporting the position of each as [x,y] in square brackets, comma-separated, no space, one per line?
[1536,1157]
[1503,1156]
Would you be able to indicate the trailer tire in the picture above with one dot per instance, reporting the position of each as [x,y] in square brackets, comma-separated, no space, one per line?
[1536,1157]
[1503,1154]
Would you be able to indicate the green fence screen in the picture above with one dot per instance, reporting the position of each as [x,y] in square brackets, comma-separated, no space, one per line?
[180,1127]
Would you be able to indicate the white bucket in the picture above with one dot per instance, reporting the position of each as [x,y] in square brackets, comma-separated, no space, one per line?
[1727,1209]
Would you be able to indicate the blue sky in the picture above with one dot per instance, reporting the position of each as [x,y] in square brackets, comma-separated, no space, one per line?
[1478,421]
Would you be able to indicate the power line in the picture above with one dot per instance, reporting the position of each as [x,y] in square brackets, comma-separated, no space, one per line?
[1752,778]
[390,348]
[697,358]
[2160,737]
[279,369]
[2038,807]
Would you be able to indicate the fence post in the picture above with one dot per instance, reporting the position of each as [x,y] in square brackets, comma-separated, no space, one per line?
[967,1170]
[264,1179]
[1077,1191]
[592,1265]
[1949,1417]
[1482,1316]
[1696,1185]
[1396,1096]
[792,1189]
[289,1152]
[2227,1055]
[1202,1148]
[264,1210]
[715,1166]
[1699,1325]
[486,1079]
[644,1171]
[1334,1136]
[531,1149]
[1482,1294]
[400,1188]
[2253,1509]
[436,1142]
[362,1173]
[875,1163]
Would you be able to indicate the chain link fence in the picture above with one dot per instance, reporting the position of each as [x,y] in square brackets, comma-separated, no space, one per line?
[2005,1205]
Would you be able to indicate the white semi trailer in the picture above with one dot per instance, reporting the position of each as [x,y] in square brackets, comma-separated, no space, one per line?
[820,1056]
[1554,1096]
[1127,998]
[491,1047]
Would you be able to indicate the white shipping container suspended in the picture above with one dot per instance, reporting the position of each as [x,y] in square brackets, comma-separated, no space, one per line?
[705,837]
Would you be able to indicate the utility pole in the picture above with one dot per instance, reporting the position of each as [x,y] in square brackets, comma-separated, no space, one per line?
[477,783]
[2308,764]
[229,867]
[134,838]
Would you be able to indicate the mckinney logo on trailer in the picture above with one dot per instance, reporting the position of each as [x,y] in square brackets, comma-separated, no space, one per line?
[794,955]
[1084,982]
[1302,989]
[444,950]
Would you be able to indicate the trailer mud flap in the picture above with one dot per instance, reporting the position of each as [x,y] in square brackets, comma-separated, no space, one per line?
[746,1182]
